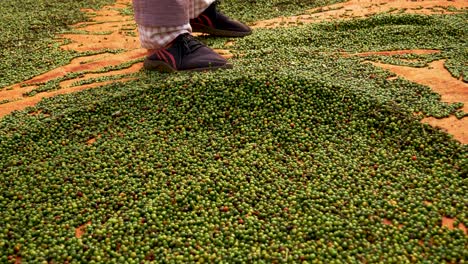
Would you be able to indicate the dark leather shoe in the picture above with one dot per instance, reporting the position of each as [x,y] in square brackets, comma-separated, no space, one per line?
[185,54]
[215,23]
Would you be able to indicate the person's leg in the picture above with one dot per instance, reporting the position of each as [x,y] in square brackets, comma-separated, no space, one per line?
[196,7]
[165,29]
[156,37]
[161,21]
[215,23]
[157,33]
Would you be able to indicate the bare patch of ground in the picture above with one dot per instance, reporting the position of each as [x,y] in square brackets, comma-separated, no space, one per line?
[447,222]
[364,8]
[93,140]
[81,230]
[395,52]
[452,125]
[386,221]
[435,76]
[25,102]
[450,224]
[441,81]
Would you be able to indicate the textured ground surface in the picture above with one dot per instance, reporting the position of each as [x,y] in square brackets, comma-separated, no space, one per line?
[113,29]
[312,149]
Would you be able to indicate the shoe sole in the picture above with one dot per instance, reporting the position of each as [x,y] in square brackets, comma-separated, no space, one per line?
[219,32]
[164,67]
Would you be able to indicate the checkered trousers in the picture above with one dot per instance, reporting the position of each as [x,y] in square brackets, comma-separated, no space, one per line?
[159,37]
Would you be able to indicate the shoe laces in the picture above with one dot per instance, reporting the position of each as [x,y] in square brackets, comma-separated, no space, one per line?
[189,44]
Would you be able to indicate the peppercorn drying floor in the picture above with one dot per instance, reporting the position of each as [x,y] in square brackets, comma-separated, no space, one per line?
[310,151]
[113,29]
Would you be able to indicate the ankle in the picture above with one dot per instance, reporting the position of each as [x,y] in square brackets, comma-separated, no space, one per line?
[211,9]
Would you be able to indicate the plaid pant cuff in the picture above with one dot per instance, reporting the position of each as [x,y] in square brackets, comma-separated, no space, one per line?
[159,37]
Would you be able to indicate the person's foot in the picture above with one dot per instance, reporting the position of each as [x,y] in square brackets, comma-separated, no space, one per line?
[215,23]
[185,54]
